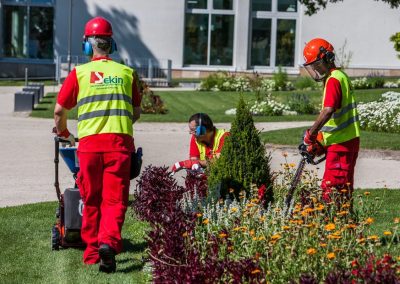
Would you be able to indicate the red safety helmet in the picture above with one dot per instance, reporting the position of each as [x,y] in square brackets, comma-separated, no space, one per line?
[316,49]
[98,27]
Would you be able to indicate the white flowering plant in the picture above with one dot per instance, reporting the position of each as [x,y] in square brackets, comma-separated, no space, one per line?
[382,115]
[268,107]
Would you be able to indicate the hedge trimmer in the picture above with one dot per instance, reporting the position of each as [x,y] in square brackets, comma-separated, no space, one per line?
[308,154]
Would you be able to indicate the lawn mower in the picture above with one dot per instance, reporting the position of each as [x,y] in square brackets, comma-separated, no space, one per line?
[308,155]
[67,230]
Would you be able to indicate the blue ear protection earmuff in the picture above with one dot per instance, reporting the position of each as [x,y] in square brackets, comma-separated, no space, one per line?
[200,129]
[88,49]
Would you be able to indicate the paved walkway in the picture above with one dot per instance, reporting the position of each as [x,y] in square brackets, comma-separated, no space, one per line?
[27,152]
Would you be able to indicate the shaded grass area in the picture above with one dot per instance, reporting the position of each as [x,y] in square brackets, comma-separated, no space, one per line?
[26,255]
[182,104]
[369,140]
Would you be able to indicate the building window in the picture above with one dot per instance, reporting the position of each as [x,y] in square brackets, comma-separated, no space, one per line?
[273,33]
[28,29]
[209,32]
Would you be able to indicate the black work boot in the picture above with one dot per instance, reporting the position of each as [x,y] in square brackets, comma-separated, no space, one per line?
[107,259]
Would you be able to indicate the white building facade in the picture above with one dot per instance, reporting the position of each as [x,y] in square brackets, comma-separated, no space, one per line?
[200,36]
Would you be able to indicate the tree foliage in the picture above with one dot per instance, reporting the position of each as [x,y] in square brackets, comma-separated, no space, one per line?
[396,42]
[313,6]
[243,162]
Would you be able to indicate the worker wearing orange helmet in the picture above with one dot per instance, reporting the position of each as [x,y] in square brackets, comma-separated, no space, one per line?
[107,96]
[338,121]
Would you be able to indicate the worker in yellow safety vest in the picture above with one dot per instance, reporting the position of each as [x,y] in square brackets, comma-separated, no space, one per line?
[338,121]
[206,143]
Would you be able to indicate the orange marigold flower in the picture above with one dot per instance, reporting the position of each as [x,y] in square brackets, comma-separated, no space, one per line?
[343,213]
[331,255]
[251,232]
[387,233]
[206,221]
[199,215]
[311,251]
[322,245]
[284,154]
[396,220]
[346,205]
[343,190]
[276,237]
[234,209]
[262,238]
[367,193]
[255,200]
[330,227]
[360,240]
[185,234]
[262,218]
[230,248]
[334,237]
[285,228]
[222,235]
[255,271]
[369,220]
[351,226]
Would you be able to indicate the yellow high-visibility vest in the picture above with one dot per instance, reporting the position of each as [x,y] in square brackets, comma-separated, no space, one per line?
[104,98]
[344,124]
[217,139]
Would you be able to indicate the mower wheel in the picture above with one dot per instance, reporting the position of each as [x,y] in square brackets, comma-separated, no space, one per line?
[55,238]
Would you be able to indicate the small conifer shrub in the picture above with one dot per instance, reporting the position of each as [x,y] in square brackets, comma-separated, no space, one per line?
[243,163]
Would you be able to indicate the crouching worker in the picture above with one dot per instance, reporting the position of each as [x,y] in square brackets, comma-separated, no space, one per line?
[338,120]
[205,145]
[106,112]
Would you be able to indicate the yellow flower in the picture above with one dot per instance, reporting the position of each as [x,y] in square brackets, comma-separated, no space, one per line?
[234,209]
[396,220]
[262,238]
[367,193]
[343,190]
[292,165]
[373,237]
[330,227]
[285,228]
[334,236]
[320,207]
[199,215]
[331,255]
[346,205]
[322,245]
[351,226]
[236,228]
[387,233]
[262,218]
[255,200]
[343,213]
[369,220]
[206,221]
[185,234]
[255,271]
[360,240]
[311,251]
[276,237]
[251,233]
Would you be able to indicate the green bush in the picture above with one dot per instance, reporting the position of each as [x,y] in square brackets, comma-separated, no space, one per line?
[152,103]
[243,162]
[281,79]
[302,104]
[305,83]
[376,82]
[214,81]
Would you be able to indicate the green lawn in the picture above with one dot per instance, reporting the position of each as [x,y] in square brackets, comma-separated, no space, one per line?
[22,82]
[26,256]
[369,140]
[182,105]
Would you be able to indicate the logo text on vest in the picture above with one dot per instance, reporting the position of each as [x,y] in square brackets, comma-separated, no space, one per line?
[98,78]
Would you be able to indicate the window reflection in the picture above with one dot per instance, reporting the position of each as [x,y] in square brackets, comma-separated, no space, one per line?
[285,42]
[41,32]
[196,39]
[223,4]
[222,40]
[196,4]
[14,31]
[287,5]
[261,5]
[261,42]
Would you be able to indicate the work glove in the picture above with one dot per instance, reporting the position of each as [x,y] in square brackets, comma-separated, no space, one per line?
[65,135]
[187,164]
[316,149]
[309,139]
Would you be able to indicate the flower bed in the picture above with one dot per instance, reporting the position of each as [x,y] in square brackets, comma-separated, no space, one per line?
[197,240]
[382,115]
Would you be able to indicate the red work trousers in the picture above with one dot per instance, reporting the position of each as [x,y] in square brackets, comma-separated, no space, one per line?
[103,181]
[339,173]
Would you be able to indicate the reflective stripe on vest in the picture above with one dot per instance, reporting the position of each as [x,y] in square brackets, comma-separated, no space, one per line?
[217,139]
[104,98]
[344,124]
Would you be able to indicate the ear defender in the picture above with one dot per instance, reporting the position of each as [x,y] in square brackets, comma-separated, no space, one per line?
[87,48]
[200,129]
[329,55]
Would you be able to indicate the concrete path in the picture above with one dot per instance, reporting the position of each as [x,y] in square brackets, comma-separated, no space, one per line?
[27,153]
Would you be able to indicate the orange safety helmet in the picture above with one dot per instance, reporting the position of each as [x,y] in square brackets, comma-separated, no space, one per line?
[98,26]
[316,49]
